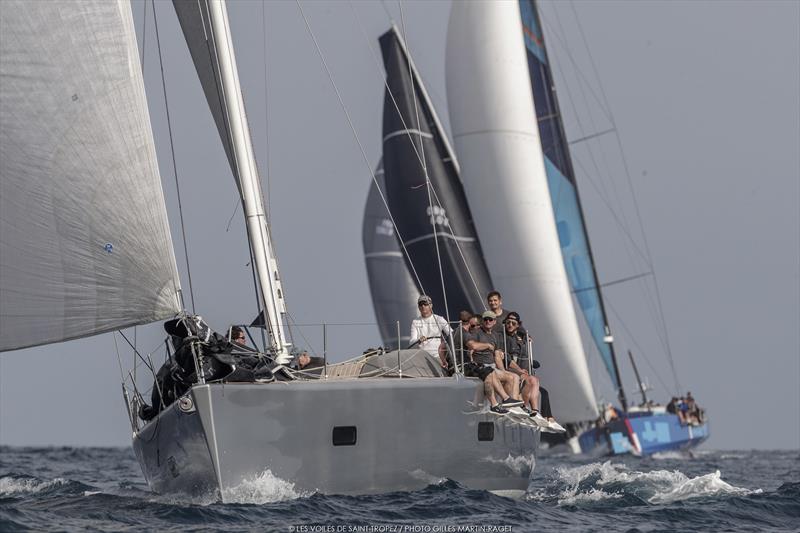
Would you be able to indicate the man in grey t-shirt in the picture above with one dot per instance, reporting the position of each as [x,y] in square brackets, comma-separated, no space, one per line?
[486,354]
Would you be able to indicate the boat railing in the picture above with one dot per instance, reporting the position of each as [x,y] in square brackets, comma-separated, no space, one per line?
[343,348]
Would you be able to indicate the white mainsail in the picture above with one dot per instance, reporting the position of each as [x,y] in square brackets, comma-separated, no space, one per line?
[85,245]
[497,141]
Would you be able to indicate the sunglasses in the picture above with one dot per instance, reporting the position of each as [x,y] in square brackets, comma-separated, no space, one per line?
[422,304]
[489,319]
[513,322]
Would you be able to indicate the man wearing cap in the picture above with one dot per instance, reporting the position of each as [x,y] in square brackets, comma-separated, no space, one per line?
[485,352]
[427,330]
[519,363]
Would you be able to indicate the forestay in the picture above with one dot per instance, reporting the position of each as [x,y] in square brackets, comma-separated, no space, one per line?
[84,239]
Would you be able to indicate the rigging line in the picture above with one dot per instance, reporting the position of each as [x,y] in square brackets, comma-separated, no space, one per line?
[594,127]
[636,344]
[119,358]
[144,34]
[648,256]
[266,154]
[610,283]
[602,177]
[172,152]
[652,307]
[266,109]
[235,210]
[624,224]
[291,321]
[386,10]
[358,141]
[413,145]
[424,162]
[577,115]
[633,194]
[592,136]
[139,355]
[612,211]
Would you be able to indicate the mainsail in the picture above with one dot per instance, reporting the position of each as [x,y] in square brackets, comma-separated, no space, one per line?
[503,170]
[394,292]
[570,222]
[84,239]
[416,148]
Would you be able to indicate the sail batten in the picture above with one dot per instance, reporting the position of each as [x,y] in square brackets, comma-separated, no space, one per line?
[85,245]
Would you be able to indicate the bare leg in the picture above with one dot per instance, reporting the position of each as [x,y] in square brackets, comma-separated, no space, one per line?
[510,383]
[493,389]
[530,392]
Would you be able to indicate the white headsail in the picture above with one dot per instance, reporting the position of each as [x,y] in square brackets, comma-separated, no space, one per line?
[85,245]
[497,141]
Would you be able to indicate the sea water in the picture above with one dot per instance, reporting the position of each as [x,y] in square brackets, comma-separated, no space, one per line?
[102,489]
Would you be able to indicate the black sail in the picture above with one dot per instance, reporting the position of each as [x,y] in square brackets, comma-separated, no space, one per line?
[394,292]
[407,143]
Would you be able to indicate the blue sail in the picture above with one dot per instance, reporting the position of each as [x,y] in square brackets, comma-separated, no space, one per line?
[563,189]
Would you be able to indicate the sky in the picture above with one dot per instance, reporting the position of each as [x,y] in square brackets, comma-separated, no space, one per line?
[703,97]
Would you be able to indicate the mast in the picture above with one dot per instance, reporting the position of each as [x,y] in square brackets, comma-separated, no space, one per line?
[638,379]
[258,232]
[609,339]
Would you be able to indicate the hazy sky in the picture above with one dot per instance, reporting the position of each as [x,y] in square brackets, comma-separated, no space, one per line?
[706,101]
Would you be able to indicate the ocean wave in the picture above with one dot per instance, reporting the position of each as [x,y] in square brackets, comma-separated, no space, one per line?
[264,488]
[516,463]
[671,455]
[596,481]
[707,485]
[22,485]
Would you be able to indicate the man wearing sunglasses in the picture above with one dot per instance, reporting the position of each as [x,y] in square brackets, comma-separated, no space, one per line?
[486,353]
[427,330]
[521,364]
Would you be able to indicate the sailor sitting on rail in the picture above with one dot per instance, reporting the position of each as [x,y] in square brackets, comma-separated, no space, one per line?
[519,362]
[486,354]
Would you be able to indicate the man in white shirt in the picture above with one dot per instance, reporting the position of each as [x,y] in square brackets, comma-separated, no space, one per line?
[427,329]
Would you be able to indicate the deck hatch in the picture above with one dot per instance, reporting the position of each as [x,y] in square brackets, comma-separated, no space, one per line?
[344,435]
[485,430]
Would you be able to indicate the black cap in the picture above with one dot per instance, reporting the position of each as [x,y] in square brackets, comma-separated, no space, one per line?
[513,315]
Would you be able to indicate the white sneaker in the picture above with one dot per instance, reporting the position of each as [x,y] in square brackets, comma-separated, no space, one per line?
[517,411]
[539,420]
[555,427]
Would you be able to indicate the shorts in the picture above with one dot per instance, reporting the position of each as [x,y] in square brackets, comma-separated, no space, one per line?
[477,370]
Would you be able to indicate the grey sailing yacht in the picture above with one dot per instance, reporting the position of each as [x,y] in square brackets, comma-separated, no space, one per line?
[85,248]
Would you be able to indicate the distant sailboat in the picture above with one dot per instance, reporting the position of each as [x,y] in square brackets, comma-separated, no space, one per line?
[85,248]
[639,431]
